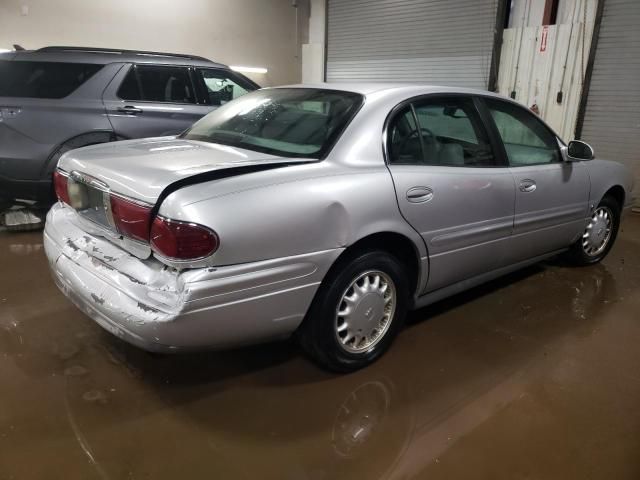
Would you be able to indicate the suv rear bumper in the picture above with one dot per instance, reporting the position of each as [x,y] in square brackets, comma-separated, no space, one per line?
[163,310]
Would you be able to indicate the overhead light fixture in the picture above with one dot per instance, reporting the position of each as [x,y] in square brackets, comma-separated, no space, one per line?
[248,69]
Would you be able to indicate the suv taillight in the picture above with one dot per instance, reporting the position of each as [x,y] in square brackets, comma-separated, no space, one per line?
[131,219]
[182,240]
[60,186]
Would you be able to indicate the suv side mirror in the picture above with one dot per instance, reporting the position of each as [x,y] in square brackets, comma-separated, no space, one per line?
[577,151]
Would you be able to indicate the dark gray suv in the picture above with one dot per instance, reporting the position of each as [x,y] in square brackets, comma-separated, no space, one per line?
[59,98]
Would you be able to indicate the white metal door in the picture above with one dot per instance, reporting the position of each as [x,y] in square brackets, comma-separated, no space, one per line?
[612,115]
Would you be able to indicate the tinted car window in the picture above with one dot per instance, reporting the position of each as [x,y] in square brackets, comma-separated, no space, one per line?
[448,132]
[157,84]
[43,79]
[447,120]
[293,122]
[526,139]
[130,87]
[404,139]
[220,87]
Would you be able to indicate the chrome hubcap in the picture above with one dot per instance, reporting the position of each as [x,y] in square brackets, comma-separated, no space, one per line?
[365,311]
[598,232]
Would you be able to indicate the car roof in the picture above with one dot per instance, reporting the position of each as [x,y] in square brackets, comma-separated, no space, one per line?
[400,91]
[368,88]
[108,55]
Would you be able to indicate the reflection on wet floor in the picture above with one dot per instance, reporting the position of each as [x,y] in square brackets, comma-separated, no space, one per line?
[532,376]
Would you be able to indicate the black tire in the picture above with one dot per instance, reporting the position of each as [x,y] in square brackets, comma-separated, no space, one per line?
[578,255]
[318,335]
[5,204]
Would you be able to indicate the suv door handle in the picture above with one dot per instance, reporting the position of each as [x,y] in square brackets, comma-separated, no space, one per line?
[9,112]
[130,110]
[419,194]
[528,186]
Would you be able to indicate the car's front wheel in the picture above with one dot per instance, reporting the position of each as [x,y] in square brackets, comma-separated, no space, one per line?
[599,234]
[357,312]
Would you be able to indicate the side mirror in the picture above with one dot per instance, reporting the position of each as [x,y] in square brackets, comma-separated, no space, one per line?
[577,151]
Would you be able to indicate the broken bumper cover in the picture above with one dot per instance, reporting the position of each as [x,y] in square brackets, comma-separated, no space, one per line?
[161,309]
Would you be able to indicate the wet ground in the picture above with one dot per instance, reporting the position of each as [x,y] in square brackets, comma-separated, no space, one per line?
[534,376]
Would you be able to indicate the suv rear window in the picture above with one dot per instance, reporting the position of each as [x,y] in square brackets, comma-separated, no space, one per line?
[43,79]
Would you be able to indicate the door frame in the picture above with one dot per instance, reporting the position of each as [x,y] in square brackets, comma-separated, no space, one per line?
[495,141]
[562,165]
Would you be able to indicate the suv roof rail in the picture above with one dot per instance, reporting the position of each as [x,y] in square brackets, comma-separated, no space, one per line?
[119,51]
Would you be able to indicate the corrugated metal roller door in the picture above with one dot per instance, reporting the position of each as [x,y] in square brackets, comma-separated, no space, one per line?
[612,116]
[447,42]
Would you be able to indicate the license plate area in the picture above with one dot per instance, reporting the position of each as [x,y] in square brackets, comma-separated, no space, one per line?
[91,199]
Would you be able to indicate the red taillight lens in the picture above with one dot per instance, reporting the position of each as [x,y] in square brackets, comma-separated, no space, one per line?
[182,240]
[60,185]
[131,219]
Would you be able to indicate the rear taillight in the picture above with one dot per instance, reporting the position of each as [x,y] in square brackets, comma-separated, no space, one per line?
[131,219]
[182,240]
[61,188]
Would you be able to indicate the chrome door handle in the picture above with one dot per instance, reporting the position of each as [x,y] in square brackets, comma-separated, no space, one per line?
[527,186]
[130,110]
[419,194]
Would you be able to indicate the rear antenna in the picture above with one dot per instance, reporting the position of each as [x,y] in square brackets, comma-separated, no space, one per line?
[18,48]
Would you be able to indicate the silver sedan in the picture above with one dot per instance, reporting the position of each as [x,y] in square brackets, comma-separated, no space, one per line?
[324,212]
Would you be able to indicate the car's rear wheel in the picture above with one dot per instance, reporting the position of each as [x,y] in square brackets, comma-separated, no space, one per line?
[599,234]
[357,312]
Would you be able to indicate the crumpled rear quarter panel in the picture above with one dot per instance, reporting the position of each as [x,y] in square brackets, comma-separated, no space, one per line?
[162,309]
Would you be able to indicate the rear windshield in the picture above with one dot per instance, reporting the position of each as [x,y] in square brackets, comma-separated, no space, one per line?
[291,122]
[43,79]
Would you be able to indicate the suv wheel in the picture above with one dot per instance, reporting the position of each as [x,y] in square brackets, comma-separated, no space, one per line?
[357,312]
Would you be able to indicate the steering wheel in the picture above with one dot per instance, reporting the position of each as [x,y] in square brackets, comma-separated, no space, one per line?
[429,135]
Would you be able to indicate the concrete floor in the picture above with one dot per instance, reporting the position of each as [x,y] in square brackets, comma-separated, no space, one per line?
[534,376]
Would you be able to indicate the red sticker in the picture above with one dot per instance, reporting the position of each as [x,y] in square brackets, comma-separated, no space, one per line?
[543,41]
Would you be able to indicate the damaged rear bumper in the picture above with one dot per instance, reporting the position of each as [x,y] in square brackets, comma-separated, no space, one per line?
[162,309]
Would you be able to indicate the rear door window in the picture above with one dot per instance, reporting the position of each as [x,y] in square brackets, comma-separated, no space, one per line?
[155,83]
[43,79]
[405,146]
[440,131]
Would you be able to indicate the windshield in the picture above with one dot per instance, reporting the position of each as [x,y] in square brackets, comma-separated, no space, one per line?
[291,122]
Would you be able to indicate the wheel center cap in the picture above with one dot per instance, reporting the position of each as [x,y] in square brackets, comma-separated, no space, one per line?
[368,312]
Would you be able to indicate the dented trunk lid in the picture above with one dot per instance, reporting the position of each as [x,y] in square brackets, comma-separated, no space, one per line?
[144,169]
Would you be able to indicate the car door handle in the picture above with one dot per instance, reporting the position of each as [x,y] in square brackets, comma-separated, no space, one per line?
[130,110]
[419,194]
[527,186]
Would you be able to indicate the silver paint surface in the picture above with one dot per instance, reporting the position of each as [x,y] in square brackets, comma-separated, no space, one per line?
[476,224]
